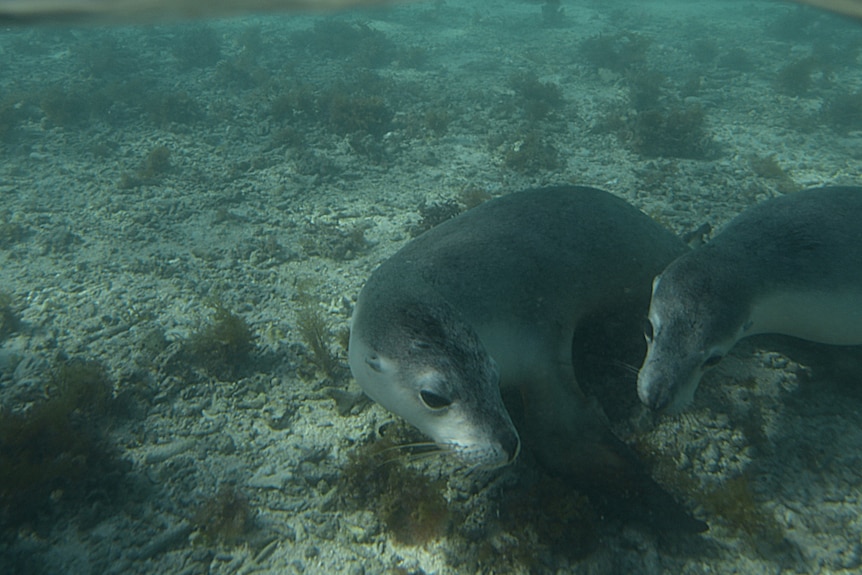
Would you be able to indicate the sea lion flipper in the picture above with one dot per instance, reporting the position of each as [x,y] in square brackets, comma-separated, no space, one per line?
[595,461]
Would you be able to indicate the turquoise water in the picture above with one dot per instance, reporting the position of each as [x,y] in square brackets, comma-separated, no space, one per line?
[189,210]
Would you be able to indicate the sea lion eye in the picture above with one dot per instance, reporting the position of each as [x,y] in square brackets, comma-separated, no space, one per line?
[648,330]
[712,360]
[373,362]
[434,401]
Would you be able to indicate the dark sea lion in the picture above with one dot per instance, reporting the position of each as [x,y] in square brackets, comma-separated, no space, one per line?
[490,300]
[791,265]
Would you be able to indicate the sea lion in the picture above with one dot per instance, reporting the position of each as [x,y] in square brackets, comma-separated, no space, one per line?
[791,265]
[490,300]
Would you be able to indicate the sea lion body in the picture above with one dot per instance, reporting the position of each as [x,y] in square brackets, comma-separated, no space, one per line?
[791,265]
[490,300]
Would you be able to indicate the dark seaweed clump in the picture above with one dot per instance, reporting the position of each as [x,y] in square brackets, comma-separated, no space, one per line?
[678,132]
[57,452]
[538,99]
[532,154]
[223,345]
[435,213]
[317,336]
[796,78]
[67,106]
[769,168]
[844,112]
[410,505]
[9,322]
[617,52]
[357,41]
[226,518]
[197,48]
[334,241]
[155,166]
[546,515]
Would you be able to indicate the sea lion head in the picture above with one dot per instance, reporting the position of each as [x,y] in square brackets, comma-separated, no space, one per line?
[419,359]
[692,323]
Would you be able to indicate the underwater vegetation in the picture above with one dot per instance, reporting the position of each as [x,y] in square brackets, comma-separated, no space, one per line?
[11,232]
[226,518]
[357,41]
[553,14]
[155,166]
[617,52]
[532,154]
[678,132]
[844,112]
[736,59]
[359,114]
[536,98]
[646,87]
[546,514]
[655,123]
[317,336]
[769,168]
[199,47]
[409,505]
[9,322]
[333,241]
[735,502]
[437,120]
[57,451]
[66,106]
[434,213]
[169,108]
[795,78]
[222,345]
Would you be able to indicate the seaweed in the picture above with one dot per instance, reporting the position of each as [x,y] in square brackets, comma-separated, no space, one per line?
[359,114]
[679,132]
[66,107]
[226,518]
[199,47]
[735,501]
[11,116]
[334,241]
[704,50]
[736,59]
[223,345]
[769,168]
[553,15]
[844,112]
[364,45]
[553,515]
[645,88]
[433,214]
[437,120]
[314,331]
[617,52]
[409,504]
[9,321]
[56,452]
[795,79]
[531,155]
[536,98]
[156,164]
[11,232]
[174,108]
[471,196]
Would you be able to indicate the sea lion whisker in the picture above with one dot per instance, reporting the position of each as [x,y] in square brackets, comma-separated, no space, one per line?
[627,367]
